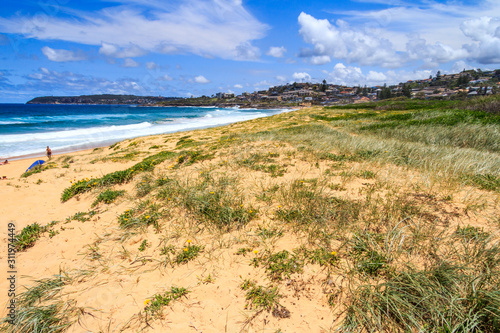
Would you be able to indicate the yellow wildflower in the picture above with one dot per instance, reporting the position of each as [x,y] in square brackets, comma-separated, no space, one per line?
[146,302]
[186,249]
[188,241]
[256,251]
[212,192]
[333,253]
[147,216]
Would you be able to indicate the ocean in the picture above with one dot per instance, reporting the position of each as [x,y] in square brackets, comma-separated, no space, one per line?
[27,129]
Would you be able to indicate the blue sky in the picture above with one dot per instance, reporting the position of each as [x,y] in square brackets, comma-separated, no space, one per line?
[193,47]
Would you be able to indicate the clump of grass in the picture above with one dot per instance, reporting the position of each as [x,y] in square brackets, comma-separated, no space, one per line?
[187,158]
[38,169]
[264,299]
[279,265]
[144,186]
[266,233]
[28,236]
[108,196]
[243,251]
[142,216]
[214,201]
[484,181]
[367,256]
[188,253]
[443,298]
[264,163]
[321,256]
[81,216]
[154,306]
[115,178]
[38,312]
[143,245]
[311,207]
[470,233]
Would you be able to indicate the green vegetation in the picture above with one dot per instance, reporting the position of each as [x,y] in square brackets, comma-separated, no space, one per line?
[36,310]
[30,234]
[155,305]
[187,254]
[144,215]
[264,163]
[108,196]
[217,201]
[115,178]
[38,169]
[264,298]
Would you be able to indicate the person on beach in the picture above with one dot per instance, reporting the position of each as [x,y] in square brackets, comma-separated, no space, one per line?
[6,162]
[49,153]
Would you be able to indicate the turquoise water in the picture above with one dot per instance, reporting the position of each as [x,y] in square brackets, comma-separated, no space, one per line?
[26,129]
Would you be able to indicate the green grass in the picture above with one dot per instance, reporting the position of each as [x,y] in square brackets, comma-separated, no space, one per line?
[260,297]
[28,236]
[115,178]
[443,298]
[264,163]
[107,196]
[144,215]
[38,169]
[37,309]
[187,254]
[155,305]
[215,201]
[279,265]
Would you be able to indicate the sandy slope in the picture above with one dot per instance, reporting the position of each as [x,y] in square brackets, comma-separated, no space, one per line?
[112,279]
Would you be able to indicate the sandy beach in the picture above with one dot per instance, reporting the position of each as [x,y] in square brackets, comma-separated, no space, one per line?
[113,270]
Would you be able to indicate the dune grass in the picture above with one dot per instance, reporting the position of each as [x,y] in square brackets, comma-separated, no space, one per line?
[335,206]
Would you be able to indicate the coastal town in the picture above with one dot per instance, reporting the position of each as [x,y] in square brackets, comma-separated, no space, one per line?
[468,83]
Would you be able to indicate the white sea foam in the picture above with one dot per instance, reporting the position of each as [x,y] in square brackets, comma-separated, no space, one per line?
[35,143]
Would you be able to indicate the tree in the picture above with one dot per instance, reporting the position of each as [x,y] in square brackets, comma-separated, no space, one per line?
[324,86]
[385,93]
[406,91]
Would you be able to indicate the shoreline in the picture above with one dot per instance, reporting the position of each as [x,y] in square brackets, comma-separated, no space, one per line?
[100,144]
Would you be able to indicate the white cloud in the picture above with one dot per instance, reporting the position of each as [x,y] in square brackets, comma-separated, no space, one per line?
[262,85]
[246,51]
[485,32]
[46,80]
[376,77]
[302,76]
[115,51]
[353,76]
[151,65]
[130,63]
[341,41]
[320,60]
[62,55]
[432,55]
[201,79]
[444,30]
[212,28]
[276,51]
[281,78]
[165,77]
[460,66]
[238,86]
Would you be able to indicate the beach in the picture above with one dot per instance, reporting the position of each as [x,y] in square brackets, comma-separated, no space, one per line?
[263,222]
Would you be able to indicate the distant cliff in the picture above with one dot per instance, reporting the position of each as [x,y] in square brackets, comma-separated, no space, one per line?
[100,99]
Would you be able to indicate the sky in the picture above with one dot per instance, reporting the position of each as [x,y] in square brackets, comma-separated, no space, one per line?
[194,48]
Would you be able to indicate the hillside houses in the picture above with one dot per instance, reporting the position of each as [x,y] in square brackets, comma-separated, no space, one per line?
[458,85]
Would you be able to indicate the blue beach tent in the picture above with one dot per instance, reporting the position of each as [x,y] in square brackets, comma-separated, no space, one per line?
[37,163]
